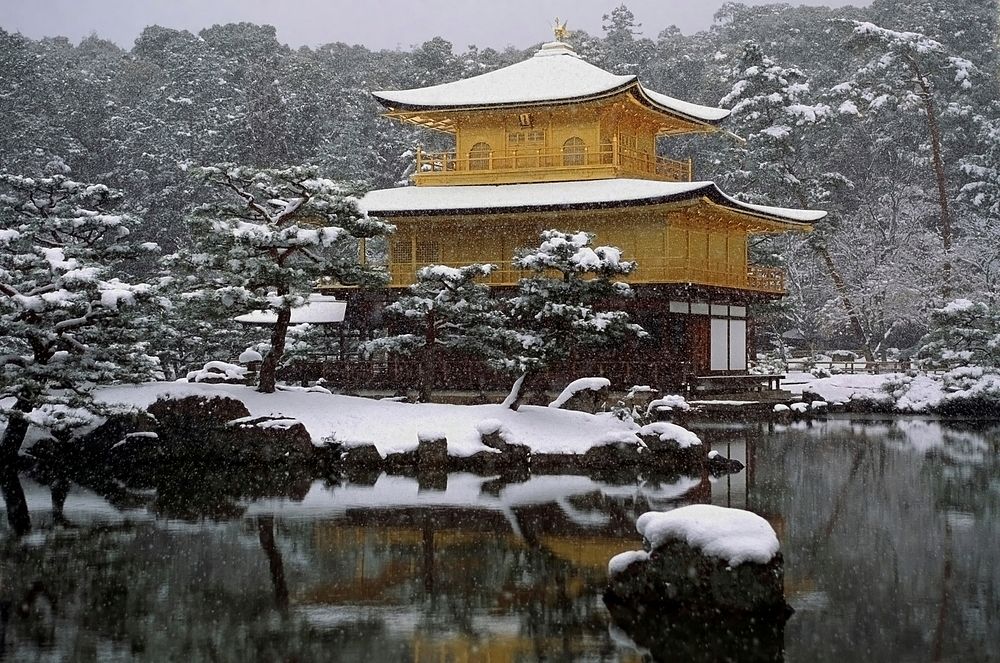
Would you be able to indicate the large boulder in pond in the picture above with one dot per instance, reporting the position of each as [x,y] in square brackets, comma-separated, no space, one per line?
[670,445]
[207,429]
[268,440]
[701,558]
[181,418]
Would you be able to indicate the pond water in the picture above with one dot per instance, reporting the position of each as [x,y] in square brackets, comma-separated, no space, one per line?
[889,529]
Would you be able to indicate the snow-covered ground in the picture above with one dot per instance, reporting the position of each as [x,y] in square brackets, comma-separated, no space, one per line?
[920,393]
[840,388]
[395,427]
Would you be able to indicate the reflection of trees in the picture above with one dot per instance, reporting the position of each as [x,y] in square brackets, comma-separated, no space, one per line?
[17,506]
[265,533]
[890,538]
[198,592]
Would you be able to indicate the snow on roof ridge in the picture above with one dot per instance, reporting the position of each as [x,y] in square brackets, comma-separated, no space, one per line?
[513,197]
[551,48]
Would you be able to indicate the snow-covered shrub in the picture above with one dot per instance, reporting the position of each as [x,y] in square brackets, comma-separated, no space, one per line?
[550,316]
[959,360]
[669,403]
[215,372]
[962,333]
[768,365]
[446,308]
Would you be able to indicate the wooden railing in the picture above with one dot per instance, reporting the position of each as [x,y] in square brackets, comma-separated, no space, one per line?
[859,365]
[612,159]
[651,270]
[765,279]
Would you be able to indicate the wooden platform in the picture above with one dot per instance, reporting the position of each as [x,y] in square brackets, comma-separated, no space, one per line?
[714,384]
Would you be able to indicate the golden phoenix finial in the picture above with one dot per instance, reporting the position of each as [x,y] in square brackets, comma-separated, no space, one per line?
[560,31]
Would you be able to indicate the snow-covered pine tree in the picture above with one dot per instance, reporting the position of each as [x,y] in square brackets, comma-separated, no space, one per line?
[187,330]
[552,316]
[771,105]
[873,291]
[979,244]
[446,308]
[963,349]
[963,333]
[623,52]
[64,308]
[910,72]
[270,238]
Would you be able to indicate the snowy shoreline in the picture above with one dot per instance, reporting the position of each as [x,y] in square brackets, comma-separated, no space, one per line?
[394,427]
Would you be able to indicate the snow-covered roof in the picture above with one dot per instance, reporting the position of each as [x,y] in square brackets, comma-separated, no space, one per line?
[551,196]
[318,310]
[555,74]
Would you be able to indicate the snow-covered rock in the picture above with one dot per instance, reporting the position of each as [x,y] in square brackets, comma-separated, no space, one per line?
[700,560]
[622,561]
[580,386]
[219,371]
[733,535]
[665,431]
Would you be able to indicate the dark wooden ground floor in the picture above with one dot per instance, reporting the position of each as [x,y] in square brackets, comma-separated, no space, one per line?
[697,335]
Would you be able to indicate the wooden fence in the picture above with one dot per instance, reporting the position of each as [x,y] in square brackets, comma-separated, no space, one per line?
[851,367]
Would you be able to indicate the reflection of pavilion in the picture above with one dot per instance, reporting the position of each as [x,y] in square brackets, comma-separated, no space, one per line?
[478,571]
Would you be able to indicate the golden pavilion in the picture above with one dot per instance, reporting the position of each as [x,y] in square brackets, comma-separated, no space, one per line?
[556,142]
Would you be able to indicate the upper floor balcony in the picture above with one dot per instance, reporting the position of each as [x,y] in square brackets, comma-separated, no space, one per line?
[546,164]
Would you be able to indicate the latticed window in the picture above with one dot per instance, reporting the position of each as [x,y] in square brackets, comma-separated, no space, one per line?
[479,156]
[519,138]
[428,252]
[401,251]
[574,152]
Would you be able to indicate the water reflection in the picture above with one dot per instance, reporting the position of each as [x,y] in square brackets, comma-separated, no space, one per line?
[889,530]
[891,537]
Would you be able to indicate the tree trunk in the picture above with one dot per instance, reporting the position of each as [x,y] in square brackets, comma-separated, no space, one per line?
[269,367]
[425,381]
[845,299]
[13,436]
[18,516]
[841,286]
[513,400]
[942,186]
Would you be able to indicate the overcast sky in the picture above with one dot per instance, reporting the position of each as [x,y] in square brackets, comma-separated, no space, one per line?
[375,23]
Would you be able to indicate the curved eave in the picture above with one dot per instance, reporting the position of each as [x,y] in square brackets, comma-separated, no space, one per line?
[791,219]
[633,86]
[645,99]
